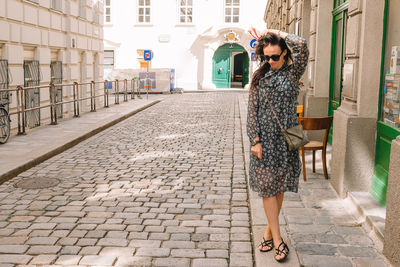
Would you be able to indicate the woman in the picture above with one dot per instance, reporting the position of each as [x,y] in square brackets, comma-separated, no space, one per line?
[273,168]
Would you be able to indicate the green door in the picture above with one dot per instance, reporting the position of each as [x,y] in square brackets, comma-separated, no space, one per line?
[388,127]
[222,61]
[337,58]
[222,68]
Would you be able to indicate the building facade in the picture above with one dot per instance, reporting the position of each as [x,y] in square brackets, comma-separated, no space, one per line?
[353,74]
[206,42]
[49,41]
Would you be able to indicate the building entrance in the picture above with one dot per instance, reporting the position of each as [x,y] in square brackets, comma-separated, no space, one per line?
[230,66]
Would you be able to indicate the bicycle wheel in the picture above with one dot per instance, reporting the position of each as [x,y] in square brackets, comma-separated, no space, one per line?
[4,126]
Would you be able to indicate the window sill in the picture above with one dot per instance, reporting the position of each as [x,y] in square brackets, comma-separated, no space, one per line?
[56,11]
[31,2]
[143,25]
[185,25]
[108,25]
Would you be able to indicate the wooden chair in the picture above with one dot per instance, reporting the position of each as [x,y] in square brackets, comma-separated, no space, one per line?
[323,123]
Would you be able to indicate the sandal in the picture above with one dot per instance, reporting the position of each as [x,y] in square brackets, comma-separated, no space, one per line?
[284,250]
[269,244]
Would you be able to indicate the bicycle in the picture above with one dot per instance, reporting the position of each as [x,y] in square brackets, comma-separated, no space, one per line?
[4,124]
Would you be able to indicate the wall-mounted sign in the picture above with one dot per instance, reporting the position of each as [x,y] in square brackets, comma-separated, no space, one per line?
[253,43]
[148,55]
[164,38]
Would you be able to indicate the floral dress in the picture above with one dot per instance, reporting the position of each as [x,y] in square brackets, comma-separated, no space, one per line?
[279,169]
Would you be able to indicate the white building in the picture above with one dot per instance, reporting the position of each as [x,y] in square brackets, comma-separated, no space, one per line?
[49,41]
[190,36]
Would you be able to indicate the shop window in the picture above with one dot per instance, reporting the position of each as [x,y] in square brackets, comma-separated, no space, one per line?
[390,111]
[186,11]
[232,11]
[4,81]
[107,11]
[144,11]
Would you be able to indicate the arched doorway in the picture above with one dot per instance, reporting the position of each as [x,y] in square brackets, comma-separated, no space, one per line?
[230,66]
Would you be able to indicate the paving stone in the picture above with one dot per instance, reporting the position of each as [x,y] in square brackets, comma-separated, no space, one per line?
[210,263]
[39,250]
[358,252]
[217,253]
[15,259]
[325,261]
[13,249]
[178,244]
[368,262]
[90,250]
[240,247]
[315,249]
[331,238]
[97,260]
[116,242]
[68,260]
[151,252]
[43,259]
[145,243]
[172,262]
[117,251]
[180,237]
[70,250]
[134,261]
[241,259]
[189,253]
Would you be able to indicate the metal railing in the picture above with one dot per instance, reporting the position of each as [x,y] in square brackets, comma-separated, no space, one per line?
[116,89]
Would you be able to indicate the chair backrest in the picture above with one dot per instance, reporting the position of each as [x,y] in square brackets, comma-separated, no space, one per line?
[322,123]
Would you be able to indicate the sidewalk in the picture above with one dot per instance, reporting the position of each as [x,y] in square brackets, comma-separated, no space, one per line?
[320,227]
[23,152]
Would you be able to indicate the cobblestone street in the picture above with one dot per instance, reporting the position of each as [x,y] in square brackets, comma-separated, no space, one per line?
[167,187]
[167,182]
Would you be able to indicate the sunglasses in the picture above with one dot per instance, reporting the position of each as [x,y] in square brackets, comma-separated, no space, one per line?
[273,57]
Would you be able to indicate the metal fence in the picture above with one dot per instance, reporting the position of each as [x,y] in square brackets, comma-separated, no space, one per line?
[118,90]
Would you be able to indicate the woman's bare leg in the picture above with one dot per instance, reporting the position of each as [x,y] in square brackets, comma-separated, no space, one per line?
[272,207]
[267,233]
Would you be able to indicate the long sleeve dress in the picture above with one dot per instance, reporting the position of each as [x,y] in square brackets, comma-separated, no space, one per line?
[279,169]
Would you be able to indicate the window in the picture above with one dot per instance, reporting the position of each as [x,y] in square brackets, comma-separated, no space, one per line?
[232,11]
[186,11]
[107,11]
[56,5]
[109,58]
[82,9]
[144,11]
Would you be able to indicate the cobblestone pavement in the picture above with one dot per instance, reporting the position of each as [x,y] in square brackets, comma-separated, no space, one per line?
[165,187]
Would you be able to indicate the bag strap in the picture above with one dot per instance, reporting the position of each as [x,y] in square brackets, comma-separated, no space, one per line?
[269,103]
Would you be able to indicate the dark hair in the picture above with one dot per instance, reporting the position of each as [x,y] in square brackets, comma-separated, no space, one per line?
[265,40]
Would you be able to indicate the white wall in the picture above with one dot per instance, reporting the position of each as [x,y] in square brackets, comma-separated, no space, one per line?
[183,50]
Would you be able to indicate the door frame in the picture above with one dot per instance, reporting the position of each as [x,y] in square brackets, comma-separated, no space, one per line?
[338,13]
[384,134]
[227,48]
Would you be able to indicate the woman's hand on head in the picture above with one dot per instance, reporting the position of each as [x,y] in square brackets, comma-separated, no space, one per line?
[257,150]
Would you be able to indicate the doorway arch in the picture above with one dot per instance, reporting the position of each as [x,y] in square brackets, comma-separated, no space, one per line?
[230,64]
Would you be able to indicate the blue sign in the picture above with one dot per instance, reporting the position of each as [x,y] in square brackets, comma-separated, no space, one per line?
[147,55]
[253,43]
[252,56]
